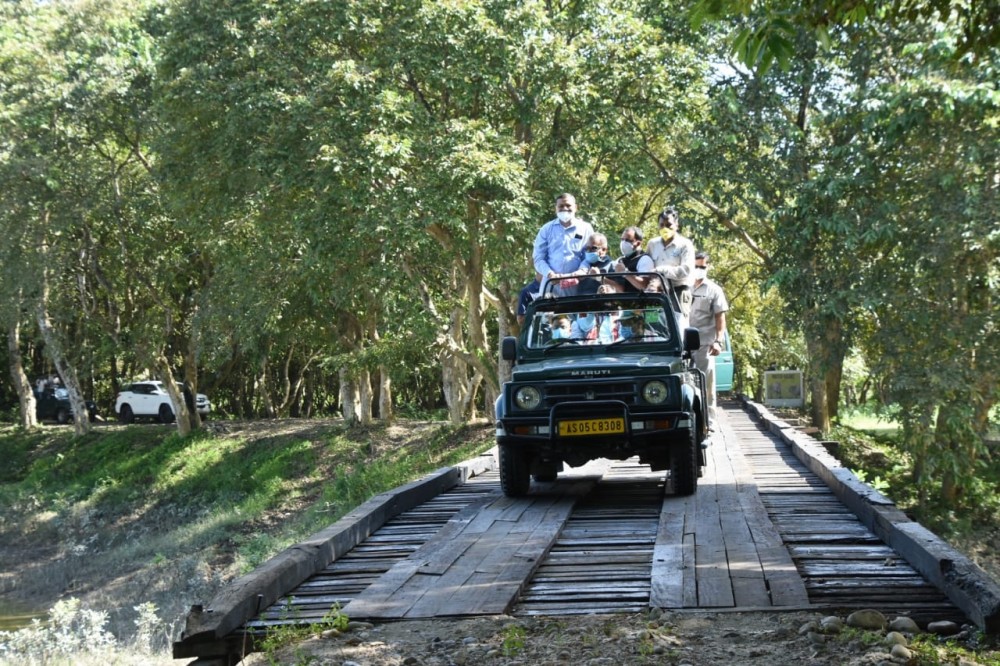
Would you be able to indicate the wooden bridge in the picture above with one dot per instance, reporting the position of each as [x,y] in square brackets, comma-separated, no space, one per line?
[776,524]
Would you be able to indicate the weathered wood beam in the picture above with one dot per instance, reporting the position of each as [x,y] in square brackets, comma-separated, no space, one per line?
[966,584]
[246,596]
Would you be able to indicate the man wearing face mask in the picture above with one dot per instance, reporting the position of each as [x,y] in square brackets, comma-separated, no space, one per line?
[673,255]
[633,260]
[708,315]
[559,244]
[553,245]
[596,260]
[561,327]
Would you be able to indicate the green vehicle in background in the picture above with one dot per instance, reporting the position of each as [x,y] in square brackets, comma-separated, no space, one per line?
[724,367]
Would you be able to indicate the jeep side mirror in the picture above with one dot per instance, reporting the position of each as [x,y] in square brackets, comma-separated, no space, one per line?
[508,348]
[692,339]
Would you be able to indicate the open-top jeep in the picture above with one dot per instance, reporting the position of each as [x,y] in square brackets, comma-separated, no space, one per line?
[605,375]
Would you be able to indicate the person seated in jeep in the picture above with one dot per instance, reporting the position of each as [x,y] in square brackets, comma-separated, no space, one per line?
[560,327]
[633,326]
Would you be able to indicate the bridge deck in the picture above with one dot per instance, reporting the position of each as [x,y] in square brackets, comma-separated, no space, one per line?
[762,531]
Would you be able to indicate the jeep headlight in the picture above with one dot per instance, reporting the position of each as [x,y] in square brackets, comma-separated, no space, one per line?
[527,397]
[655,392]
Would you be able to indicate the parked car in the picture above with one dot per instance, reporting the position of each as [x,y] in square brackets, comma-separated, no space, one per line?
[149,399]
[724,367]
[52,403]
[608,375]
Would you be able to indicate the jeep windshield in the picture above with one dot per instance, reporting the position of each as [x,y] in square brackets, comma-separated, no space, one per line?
[575,321]
[600,310]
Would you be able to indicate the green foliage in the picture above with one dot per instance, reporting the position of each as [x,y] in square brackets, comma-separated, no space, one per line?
[881,458]
[878,483]
[333,471]
[278,199]
[513,642]
[71,632]
[282,636]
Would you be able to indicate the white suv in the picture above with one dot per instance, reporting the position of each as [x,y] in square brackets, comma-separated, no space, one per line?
[150,399]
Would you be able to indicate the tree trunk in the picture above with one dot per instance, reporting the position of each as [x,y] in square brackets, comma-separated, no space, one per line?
[365,397]
[385,395]
[350,400]
[454,375]
[191,380]
[945,439]
[25,394]
[66,370]
[817,384]
[264,388]
[181,412]
[826,359]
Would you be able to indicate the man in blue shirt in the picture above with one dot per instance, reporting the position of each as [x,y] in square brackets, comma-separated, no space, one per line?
[558,250]
[559,243]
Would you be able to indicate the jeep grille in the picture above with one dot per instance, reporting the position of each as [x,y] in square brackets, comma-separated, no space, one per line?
[556,394]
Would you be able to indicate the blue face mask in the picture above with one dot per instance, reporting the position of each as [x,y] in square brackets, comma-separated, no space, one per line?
[558,333]
[586,323]
[593,258]
[625,332]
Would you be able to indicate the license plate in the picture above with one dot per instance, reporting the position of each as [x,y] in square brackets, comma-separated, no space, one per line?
[591,427]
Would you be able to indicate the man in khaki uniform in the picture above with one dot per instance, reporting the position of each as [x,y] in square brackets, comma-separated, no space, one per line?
[708,315]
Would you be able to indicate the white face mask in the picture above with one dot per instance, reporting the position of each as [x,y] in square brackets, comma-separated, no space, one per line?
[700,273]
[565,216]
[627,248]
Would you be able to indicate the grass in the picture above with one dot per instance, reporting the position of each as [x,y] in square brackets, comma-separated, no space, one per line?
[139,515]
[869,422]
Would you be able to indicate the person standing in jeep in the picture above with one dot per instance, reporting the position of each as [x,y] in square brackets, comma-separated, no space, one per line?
[708,315]
[634,260]
[558,248]
[673,255]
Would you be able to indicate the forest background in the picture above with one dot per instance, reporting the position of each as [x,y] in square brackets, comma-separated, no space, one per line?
[317,207]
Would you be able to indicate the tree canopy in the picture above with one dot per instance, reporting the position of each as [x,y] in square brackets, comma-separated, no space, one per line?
[307,208]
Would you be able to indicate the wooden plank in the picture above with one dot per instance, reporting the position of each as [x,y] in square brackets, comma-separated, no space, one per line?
[964,583]
[503,543]
[246,596]
[668,567]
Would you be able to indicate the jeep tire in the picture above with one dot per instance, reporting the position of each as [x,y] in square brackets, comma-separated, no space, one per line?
[515,472]
[126,415]
[684,464]
[63,416]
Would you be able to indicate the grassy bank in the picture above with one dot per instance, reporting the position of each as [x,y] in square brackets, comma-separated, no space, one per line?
[136,521]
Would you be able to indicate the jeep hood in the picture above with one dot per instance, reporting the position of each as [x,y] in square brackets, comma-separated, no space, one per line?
[605,365]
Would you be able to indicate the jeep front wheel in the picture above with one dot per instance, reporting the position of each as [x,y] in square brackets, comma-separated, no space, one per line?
[684,464]
[126,415]
[515,472]
[63,416]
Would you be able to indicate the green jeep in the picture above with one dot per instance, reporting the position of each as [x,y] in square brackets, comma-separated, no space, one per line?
[602,375]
